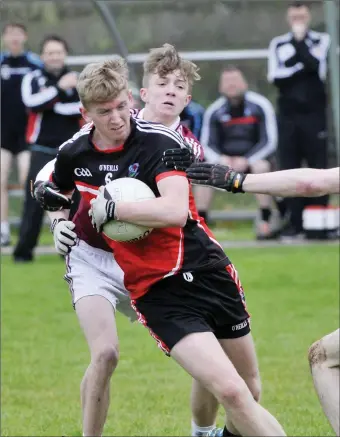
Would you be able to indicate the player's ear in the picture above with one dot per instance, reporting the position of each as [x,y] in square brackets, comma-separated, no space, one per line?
[144,94]
[85,115]
[188,99]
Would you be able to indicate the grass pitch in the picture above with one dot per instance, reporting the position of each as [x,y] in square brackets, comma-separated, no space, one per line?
[292,294]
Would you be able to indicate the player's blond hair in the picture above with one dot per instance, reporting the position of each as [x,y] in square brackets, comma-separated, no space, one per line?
[101,82]
[164,60]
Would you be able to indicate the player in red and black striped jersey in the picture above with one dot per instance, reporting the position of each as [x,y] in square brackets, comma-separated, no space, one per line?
[192,307]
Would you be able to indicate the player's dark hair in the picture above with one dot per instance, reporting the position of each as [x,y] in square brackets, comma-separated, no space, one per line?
[299,4]
[56,38]
[14,24]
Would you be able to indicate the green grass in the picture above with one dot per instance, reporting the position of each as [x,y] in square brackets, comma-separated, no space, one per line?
[292,294]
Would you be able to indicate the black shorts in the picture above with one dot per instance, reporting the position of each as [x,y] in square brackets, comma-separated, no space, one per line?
[13,139]
[194,302]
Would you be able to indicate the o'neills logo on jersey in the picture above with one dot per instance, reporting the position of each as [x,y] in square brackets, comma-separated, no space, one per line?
[108,167]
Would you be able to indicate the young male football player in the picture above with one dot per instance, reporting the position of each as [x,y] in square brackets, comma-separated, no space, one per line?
[92,272]
[190,314]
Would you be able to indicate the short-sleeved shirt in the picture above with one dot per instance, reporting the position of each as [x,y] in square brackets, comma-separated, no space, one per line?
[166,251]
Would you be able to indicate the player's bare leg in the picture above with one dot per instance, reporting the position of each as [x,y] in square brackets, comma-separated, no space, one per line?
[241,352]
[97,319]
[202,356]
[204,407]
[23,162]
[324,361]
[6,164]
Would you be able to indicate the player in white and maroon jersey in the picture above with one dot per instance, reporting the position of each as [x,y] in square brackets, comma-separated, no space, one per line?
[196,264]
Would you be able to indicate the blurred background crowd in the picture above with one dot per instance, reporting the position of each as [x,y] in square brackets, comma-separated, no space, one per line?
[265,101]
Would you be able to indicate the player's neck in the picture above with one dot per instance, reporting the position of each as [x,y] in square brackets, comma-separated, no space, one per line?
[104,142]
[149,115]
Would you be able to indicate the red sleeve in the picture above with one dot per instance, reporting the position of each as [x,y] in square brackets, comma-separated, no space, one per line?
[166,174]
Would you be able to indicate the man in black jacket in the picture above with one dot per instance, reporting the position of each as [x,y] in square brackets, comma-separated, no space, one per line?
[297,66]
[52,101]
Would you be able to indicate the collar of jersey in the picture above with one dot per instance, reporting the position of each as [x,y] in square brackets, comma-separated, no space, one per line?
[174,125]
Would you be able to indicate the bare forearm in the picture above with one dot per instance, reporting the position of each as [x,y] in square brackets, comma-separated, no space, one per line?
[155,213]
[306,182]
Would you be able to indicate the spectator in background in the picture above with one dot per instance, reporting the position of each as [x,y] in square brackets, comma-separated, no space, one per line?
[297,66]
[239,130]
[50,96]
[192,118]
[15,63]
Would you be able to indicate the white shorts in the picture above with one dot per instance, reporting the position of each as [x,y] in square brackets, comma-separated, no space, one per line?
[95,272]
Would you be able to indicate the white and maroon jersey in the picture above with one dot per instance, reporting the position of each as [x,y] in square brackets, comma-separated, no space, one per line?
[166,251]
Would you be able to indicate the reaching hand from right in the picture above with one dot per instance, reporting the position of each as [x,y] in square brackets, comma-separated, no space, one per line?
[217,176]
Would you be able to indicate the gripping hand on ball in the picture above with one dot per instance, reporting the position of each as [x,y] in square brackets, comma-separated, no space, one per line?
[217,176]
[102,210]
[49,197]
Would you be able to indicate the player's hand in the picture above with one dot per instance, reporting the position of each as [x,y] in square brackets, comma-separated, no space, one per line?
[178,159]
[102,210]
[64,237]
[49,197]
[217,176]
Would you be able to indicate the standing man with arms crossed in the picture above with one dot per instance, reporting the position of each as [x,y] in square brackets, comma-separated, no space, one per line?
[15,63]
[324,355]
[297,66]
[194,345]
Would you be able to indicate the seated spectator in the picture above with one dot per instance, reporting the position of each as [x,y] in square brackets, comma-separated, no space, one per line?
[239,129]
[192,118]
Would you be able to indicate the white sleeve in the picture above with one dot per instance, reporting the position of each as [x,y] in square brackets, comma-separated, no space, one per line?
[46,172]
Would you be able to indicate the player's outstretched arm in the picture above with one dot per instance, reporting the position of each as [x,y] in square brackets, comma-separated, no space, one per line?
[304,182]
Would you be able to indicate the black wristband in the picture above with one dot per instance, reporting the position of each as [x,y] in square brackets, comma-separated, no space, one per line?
[55,222]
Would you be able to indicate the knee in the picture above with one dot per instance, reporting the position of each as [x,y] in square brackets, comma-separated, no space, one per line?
[106,358]
[261,166]
[234,394]
[317,354]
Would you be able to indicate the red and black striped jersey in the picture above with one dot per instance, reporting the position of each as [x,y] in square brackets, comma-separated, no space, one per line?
[166,251]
